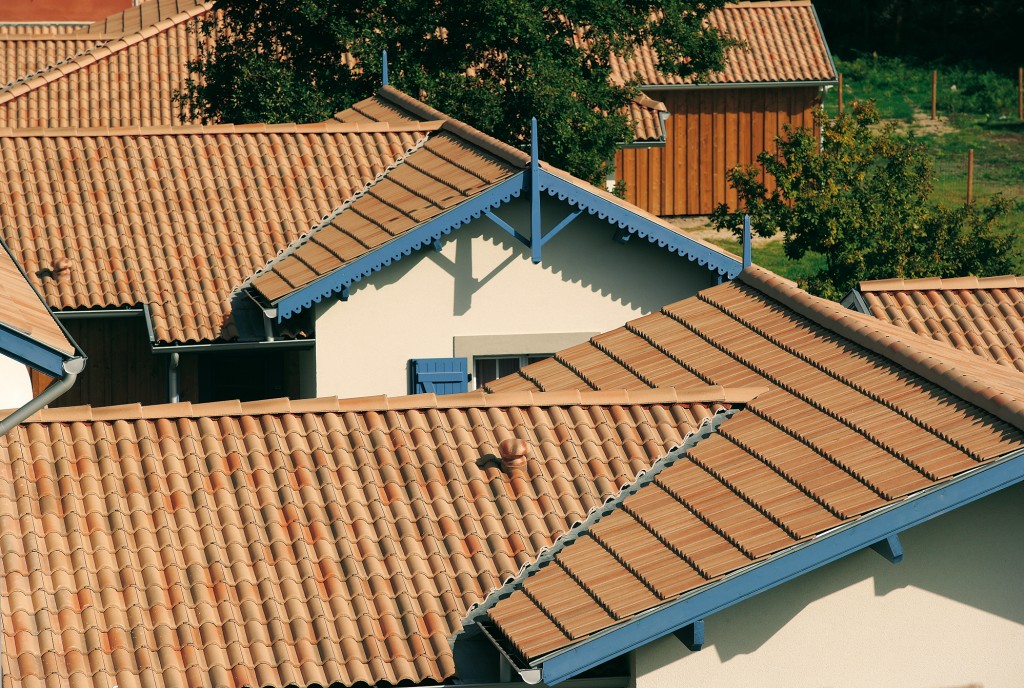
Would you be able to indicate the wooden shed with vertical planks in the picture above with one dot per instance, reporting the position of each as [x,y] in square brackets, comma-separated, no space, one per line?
[776,78]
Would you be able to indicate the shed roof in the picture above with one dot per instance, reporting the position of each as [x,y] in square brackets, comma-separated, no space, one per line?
[859,416]
[284,543]
[177,217]
[782,44]
[982,315]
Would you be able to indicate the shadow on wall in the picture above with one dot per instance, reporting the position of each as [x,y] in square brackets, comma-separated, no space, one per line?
[622,272]
[972,556]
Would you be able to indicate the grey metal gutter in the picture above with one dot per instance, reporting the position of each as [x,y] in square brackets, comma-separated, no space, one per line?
[99,313]
[235,346]
[746,84]
[72,368]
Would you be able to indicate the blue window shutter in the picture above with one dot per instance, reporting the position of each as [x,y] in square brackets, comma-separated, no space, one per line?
[438,375]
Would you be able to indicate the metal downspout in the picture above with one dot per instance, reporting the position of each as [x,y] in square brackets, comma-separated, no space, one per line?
[72,368]
[172,381]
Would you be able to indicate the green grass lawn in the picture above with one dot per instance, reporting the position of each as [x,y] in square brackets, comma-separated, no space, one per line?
[772,255]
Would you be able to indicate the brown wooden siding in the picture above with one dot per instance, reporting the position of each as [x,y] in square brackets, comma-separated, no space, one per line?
[709,132]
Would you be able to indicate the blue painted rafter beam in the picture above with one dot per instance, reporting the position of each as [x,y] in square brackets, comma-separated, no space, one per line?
[27,351]
[691,635]
[782,567]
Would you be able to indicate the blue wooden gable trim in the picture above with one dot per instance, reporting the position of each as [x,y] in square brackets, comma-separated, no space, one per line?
[637,224]
[396,249]
[24,349]
[782,567]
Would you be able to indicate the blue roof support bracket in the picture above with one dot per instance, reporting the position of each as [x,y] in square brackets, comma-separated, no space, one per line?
[891,548]
[786,565]
[384,67]
[637,223]
[691,635]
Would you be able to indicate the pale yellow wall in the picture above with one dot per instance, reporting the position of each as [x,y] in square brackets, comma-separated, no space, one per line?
[15,384]
[483,282]
[951,615]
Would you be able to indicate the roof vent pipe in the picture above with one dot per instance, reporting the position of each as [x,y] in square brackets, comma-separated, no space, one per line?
[513,454]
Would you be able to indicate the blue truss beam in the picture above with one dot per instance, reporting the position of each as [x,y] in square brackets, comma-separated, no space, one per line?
[787,565]
[635,223]
[891,548]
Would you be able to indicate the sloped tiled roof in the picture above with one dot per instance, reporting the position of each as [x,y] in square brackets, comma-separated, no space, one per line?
[859,415]
[647,116]
[145,15]
[22,310]
[22,55]
[981,315]
[452,165]
[783,43]
[129,80]
[41,28]
[176,218]
[301,543]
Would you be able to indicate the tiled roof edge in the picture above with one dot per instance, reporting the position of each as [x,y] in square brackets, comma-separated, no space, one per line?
[460,129]
[479,399]
[546,555]
[941,284]
[97,53]
[894,343]
[327,127]
[25,78]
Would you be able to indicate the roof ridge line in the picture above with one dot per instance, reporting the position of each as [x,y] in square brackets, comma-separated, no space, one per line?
[106,49]
[547,555]
[25,78]
[895,344]
[464,131]
[942,283]
[326,127]
[409,402]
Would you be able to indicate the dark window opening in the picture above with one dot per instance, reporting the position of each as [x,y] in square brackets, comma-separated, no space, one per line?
[490,368]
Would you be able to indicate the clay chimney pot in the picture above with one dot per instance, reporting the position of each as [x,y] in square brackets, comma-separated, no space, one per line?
[513,453]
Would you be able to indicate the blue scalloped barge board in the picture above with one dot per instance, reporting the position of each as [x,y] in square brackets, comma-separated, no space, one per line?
[639,225]
[785,566]
[27,351]
[396,249]
[430,232]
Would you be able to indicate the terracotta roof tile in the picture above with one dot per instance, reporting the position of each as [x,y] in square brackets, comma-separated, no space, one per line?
[129,78]
[982,315]
[859,414]
[291,543]
[177,217]
[144,15]
[782,43]
[41,28]
[22,55]
[21,308]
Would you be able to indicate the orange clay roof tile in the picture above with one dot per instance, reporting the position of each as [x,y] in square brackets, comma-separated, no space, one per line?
[280,542]
[21,308]
[859,414]
[177,217]
[983,315]
[782,42]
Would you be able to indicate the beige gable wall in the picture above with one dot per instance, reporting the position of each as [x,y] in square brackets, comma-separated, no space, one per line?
[483,283]
[951,615]
[15,385]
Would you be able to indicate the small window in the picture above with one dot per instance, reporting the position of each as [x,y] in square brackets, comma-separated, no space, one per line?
[490,368]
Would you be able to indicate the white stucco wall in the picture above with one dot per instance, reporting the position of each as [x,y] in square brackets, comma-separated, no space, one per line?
[483,282]
[15,384]
[950,615]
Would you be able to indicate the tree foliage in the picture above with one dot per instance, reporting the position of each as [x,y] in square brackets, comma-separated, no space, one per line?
[861,199]
[491,63]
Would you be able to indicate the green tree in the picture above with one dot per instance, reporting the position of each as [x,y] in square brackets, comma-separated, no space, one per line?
[491,63]
[861,199]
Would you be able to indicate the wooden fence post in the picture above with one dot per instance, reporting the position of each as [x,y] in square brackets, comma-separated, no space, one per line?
[1020,92]
[841,94]
[970,175]
[935,81]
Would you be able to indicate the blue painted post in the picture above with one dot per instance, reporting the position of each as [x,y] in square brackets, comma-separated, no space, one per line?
[535,239]
[384,67]
[746,242]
